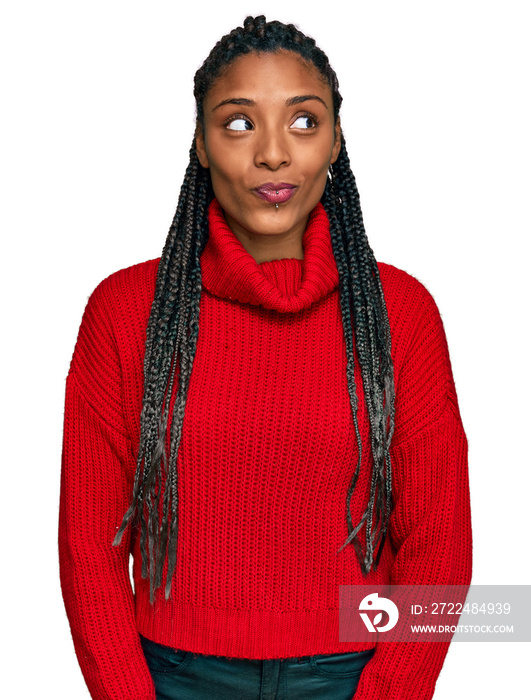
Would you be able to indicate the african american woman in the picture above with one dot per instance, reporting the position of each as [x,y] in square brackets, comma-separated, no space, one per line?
[260,416]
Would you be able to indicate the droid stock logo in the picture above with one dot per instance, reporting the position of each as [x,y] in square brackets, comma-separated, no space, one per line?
[374,603]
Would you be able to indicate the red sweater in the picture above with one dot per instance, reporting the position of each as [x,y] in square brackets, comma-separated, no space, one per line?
[267,453]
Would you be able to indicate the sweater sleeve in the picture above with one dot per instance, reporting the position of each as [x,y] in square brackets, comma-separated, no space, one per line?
[430,527]
[96,483]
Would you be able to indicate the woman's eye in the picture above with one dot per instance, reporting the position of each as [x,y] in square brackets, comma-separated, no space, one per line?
[239,124]
[304,123]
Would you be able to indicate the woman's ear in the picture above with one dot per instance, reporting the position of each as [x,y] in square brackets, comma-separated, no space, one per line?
[200,147]
[337,142]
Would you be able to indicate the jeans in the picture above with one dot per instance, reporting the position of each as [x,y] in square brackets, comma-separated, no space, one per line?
[183,675]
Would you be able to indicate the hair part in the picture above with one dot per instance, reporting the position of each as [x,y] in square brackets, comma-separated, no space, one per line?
[173,327]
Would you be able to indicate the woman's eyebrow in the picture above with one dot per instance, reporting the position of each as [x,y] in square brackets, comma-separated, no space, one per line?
[303,98]
[235,101]
[251,103]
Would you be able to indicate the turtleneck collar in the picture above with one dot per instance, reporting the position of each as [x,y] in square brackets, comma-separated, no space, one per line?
[287,285]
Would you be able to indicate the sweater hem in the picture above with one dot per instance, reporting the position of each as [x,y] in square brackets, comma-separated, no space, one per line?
[249,634]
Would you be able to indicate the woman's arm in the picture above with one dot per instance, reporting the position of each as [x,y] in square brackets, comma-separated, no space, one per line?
[430,527]
[97,464]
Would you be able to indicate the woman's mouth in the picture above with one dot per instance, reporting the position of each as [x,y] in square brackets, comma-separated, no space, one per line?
[275,194]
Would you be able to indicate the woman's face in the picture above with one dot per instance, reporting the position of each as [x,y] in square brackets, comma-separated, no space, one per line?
[268,127]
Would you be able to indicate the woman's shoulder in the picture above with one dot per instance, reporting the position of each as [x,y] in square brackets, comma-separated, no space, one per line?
[414,317]
[423,372]
[407,299]
[133,281]
[112,333]
[120,304]
[399,283]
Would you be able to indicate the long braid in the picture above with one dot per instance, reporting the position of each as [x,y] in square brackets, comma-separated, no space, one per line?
[363,306]
[171,340]
[173,327]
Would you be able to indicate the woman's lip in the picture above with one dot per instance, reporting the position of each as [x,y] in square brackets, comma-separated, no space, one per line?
[275,194]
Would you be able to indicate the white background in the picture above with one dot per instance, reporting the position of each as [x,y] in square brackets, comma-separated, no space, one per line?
[97,120]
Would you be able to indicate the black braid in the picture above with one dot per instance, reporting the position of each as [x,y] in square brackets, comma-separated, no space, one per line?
[173,327]
[363,308]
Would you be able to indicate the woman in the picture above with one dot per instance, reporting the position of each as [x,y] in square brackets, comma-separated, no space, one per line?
[281,407]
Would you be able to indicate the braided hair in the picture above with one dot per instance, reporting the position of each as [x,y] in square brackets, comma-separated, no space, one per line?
[173,327]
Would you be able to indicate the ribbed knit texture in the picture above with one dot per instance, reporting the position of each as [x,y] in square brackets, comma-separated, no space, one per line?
[267,453]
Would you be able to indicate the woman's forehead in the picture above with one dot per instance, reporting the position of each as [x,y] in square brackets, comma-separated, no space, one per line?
[261,74]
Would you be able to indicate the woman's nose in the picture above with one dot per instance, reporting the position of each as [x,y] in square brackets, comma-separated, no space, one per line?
[271,149]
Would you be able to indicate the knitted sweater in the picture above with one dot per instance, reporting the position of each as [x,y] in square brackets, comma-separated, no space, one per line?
[267,453]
